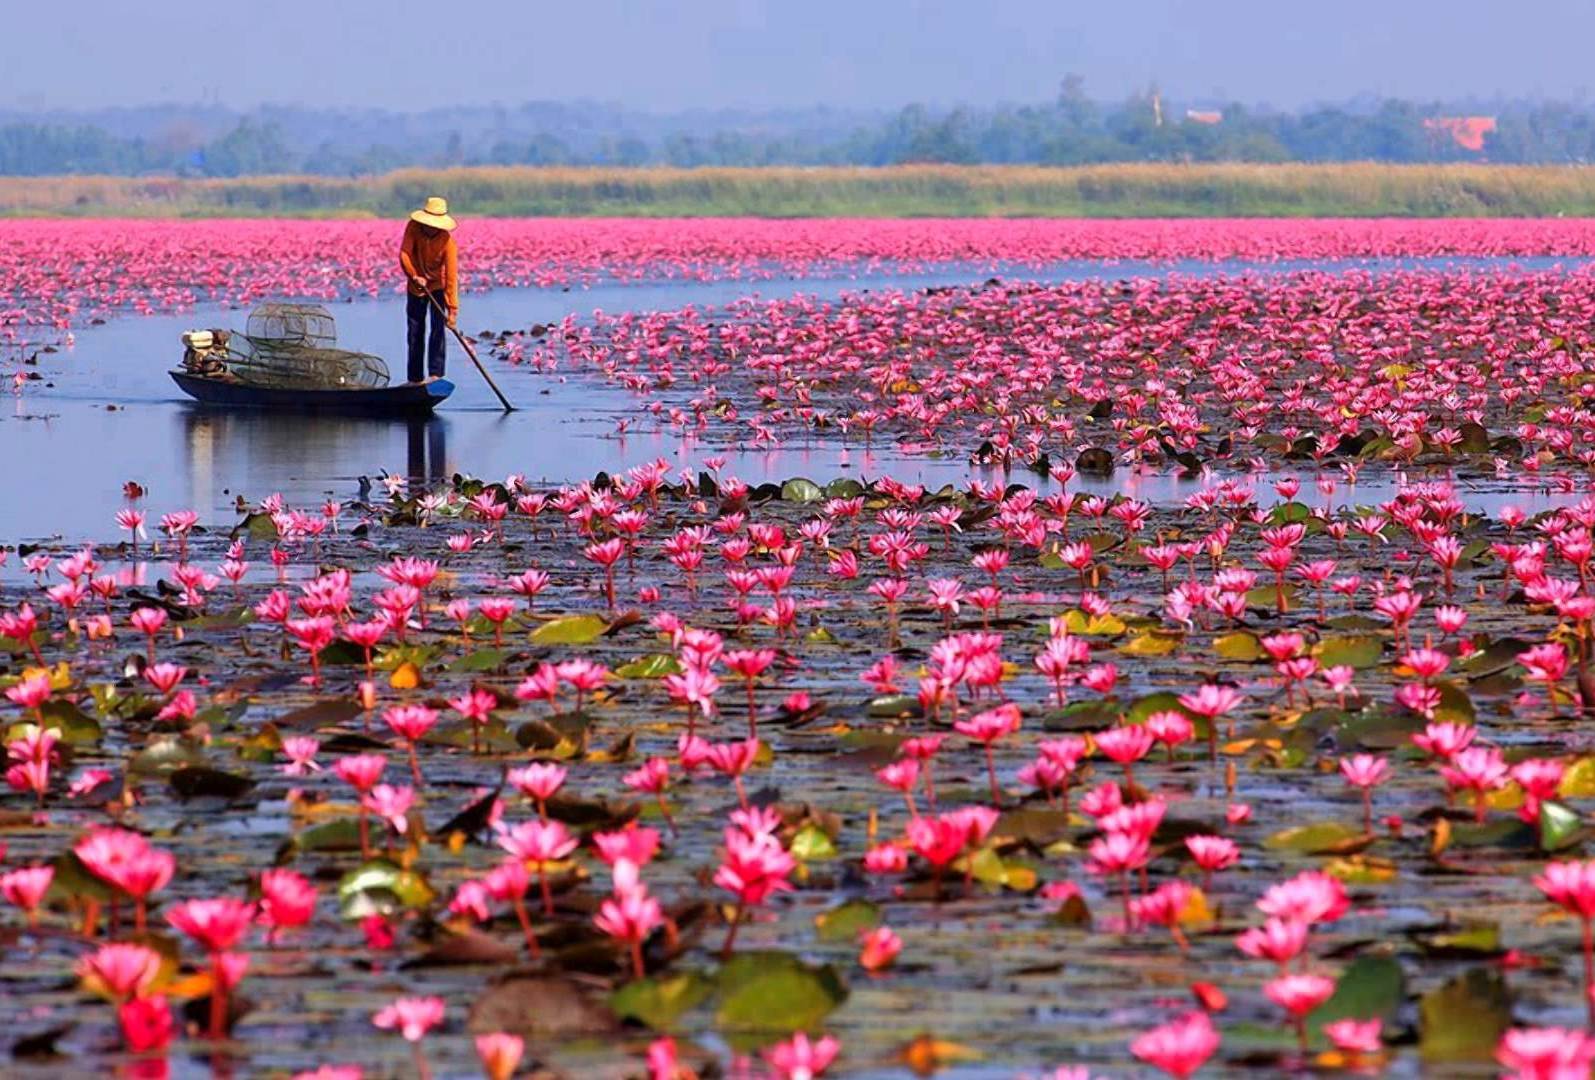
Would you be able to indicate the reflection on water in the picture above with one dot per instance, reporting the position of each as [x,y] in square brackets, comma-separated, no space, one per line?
[106,412]
[232,453]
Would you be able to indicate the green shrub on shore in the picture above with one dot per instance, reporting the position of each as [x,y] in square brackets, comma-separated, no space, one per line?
[1351,190]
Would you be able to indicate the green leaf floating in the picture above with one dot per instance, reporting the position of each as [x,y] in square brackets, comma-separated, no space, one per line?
[1372,986]
[653,666]
[845,922]
[380,876]
[1358,651]
[1560,827]
[570,630]
[1317,838]
[1242,645]
[812,843]
[800,490]
[660,1000]
[775,993]
[481,660]
[1464,1019]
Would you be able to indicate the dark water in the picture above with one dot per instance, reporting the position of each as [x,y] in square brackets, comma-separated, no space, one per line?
[107,412]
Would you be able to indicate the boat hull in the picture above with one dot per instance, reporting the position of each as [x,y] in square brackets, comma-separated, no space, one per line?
[384,401]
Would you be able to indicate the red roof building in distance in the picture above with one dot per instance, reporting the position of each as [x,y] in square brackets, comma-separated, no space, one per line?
[1466,131]
[1203,116]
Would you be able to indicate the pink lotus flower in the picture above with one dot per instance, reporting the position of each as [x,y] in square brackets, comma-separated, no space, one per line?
[287,900]
[1278,940]
[126,970]
[629,917]
[800,1059]
[412,1017]
[1310,897]
[1546,1054]
[1355,1037]
[1299,995]
[25,888]
[499,1054]
[146,1023]
[1179,1047]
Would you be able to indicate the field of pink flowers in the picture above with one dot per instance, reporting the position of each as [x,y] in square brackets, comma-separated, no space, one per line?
[61,273]
[665,774]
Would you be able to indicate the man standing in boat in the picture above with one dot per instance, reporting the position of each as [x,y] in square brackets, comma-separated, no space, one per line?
[431,263]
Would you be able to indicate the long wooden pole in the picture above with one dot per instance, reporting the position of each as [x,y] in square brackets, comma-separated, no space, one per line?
[466,345]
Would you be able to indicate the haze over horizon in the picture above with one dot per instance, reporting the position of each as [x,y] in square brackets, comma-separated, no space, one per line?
[758,54]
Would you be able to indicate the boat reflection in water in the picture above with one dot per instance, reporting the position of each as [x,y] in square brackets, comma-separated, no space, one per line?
[308,458]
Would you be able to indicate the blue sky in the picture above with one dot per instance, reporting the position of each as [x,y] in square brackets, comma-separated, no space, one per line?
[763,53]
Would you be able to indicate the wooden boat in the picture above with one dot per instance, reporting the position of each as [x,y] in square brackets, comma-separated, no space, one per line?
[403,400]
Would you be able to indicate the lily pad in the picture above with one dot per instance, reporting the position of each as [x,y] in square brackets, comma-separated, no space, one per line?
[1463,1019]
[1560,827]
[1371,986]
[1242,645]
[1156,643]
[570,630]
[652,666]
[481,660]
[846,921]
[1360,651]
[198,781]
[775,993]
[1318,838]
[800,490]
[811,843]
[382,877]
[658,1001]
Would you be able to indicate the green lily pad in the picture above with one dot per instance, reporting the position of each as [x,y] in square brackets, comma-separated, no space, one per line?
[1242,646]
[1162,701]
[481,660]
[1371,986]
[1318,838]
[363,889]
[846,921]
[1083,715]
[893,706]
[1360,651]
[1560,827]
[164,754]
[653,666]
[659,1001]
[339,834]
[1288,513]
[1079,622]
[1156,643]
[570,630]
[394,657]
[775,993]
[812,843]
[800,490]
[1463,1019]
[77,727]
[1264,596]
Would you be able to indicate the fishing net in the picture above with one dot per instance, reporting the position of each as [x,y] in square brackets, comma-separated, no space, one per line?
[287,346]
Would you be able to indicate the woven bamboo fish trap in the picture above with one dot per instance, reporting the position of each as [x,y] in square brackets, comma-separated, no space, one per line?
[295,345]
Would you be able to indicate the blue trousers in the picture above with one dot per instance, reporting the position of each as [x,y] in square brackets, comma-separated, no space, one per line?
[426,350]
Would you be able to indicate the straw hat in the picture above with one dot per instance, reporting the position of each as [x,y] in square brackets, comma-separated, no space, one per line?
[435,213]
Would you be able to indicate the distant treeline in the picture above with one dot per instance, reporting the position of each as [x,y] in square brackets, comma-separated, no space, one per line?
[1157,190]
[1071,130]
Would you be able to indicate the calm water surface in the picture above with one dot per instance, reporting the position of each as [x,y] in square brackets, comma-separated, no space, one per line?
[107,412]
